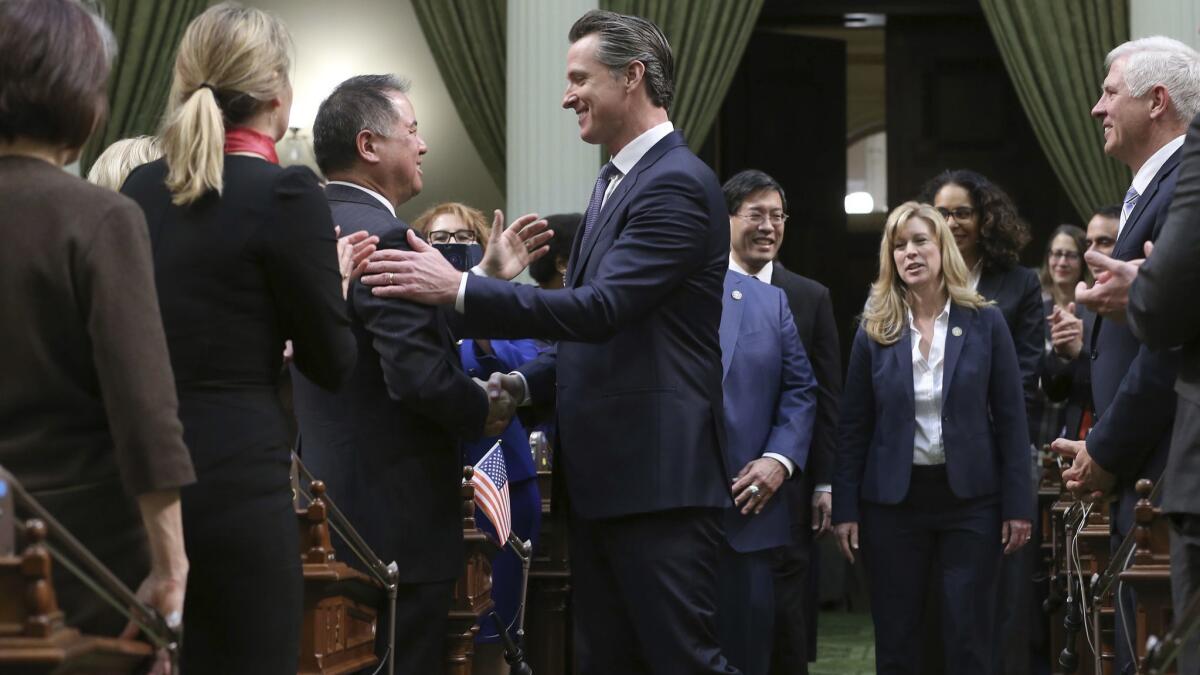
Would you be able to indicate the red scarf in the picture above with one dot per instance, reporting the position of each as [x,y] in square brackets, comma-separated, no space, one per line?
[242,139]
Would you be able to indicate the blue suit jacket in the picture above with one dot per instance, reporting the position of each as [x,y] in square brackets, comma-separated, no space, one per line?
[770,399]
[983,419]
[1133,385]
[637,371]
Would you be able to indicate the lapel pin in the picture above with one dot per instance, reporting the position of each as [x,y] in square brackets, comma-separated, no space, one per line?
[737,295]
[956,331]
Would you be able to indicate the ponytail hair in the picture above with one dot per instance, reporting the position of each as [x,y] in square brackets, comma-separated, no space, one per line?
[232,61]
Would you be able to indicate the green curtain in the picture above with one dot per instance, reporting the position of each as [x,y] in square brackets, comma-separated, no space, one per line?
[708,38]
[468,41]
[1054,52]
[148,33]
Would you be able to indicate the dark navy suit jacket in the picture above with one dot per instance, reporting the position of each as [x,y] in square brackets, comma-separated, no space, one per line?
[1133,385]
[983,419]
[387,444]
[637,370]
[770,399]
[1017,293]
[1163,312]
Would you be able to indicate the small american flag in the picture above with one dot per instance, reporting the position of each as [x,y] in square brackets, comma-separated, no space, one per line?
[490,480]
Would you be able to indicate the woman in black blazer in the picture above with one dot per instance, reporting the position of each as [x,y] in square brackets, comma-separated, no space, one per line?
[932,471]
[990,235]
[245,258]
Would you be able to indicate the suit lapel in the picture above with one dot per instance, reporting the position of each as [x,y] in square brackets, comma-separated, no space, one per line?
[731,319]
[610,207]
[583,250]
[1143,203]
[902,352]
[989,285]
[956,335]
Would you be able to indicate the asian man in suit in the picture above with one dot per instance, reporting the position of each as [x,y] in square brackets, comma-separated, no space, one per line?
[387,444]
[757,206]
[1145,105]
[770,404]
[637,370]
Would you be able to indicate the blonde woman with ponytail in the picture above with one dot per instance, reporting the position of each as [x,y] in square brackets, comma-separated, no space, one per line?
[931,472]
[245,258]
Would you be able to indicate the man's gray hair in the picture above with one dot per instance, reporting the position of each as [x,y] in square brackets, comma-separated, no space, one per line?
[625,39]
[1166,61]
[361,102]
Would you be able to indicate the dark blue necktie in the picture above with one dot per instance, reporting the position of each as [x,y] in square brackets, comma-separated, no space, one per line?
[593,210]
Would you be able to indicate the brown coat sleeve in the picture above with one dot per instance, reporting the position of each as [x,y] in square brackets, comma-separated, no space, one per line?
[115,285]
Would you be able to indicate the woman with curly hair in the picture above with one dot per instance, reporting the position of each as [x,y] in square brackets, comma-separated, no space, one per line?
[990,235]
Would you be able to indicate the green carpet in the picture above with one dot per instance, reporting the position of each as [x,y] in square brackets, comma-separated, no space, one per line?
[845,645]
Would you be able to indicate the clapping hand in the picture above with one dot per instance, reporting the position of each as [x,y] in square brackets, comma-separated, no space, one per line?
[353,253]
[511,249]
[1109,296]
[1066,332]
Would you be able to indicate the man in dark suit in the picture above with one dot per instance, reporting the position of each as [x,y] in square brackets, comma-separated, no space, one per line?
[1162,314]
[637,371]
[387,443]
[757,207]
[1140,107]
[1067,368]
[770,400]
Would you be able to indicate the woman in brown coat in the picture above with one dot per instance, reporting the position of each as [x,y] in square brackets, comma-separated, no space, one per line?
[88,418]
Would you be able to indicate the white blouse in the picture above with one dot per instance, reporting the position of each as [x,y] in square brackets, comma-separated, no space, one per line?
[927,390]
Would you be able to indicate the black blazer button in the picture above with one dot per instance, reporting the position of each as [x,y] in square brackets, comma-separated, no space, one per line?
[1095,355]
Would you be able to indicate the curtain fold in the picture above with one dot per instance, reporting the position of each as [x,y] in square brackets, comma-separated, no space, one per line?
[148,33]
[708,38]
[468,41]
[1054,53]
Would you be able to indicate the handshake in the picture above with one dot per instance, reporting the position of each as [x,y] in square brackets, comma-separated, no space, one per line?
[504,392]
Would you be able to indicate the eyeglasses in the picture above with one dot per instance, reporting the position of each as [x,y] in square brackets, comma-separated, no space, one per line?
[1069,256]
[757,218]
[959,213]
[445,236]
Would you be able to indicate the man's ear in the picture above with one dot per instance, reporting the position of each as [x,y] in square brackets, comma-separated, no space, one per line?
[1160,101]
[635,72]
[364,143]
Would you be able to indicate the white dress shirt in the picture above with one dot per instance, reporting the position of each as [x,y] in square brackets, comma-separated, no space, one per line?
[382,200]
[632,153]
[928,447]
[1141,179]
[975,274]
[764,275]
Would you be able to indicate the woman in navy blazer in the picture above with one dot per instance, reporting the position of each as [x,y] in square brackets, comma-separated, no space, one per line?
[932,471]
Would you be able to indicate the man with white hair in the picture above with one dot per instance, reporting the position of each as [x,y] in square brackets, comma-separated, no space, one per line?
[1151,92]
